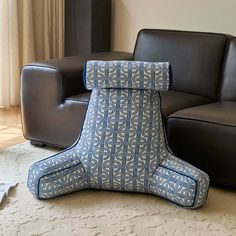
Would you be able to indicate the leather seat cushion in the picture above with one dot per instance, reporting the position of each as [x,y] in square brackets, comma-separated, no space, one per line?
[172,101]
[82,97]
[204,134]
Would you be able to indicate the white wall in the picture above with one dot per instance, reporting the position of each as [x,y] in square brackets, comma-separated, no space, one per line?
[129,16]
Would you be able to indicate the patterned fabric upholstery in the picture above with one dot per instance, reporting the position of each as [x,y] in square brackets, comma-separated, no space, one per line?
[122,144]
[127,74]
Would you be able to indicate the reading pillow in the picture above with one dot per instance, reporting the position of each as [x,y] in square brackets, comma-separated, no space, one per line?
[122,144]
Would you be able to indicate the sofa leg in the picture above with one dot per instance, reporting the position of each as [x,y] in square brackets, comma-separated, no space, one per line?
[37,143]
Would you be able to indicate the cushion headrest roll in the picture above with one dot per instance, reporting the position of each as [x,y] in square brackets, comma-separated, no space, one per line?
[127,74]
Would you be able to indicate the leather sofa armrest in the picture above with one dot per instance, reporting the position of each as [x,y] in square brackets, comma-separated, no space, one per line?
[47,116]
[64,75]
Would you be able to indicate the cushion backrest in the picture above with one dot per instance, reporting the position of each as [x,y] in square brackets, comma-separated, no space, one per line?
[196,58]
[122,141]
[228,87]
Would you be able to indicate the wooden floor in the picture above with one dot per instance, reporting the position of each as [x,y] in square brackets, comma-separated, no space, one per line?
[10,127]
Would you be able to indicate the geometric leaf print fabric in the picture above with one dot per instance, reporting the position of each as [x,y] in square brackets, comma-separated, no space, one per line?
[127,74]
[122,146]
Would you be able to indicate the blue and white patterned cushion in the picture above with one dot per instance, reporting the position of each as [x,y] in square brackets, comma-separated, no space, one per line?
[127,74]
[122,144]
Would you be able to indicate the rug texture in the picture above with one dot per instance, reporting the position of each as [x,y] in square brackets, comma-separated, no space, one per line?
[92,212]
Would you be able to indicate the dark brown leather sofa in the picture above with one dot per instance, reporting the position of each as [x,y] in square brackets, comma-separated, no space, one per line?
[199,111]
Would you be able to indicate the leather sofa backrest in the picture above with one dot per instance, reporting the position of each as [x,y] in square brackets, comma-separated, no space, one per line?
[196,58]
[228,87]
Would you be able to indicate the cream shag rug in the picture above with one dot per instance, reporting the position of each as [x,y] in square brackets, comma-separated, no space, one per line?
[103,213]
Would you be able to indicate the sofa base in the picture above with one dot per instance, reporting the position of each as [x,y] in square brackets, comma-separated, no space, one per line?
[203,136]
[36,143]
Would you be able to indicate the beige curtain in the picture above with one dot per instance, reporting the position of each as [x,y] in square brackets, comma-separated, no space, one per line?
[30,30]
